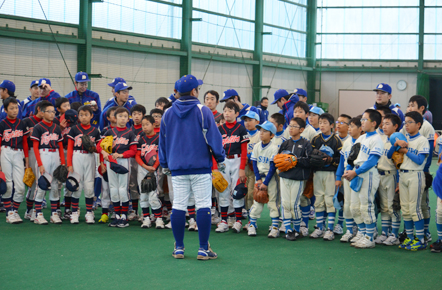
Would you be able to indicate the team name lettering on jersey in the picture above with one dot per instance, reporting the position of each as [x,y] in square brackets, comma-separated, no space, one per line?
[121,140]
[145,149]
[65,131]
[230,139]
[263,159]
[78,142]
[8,134]
[46,138]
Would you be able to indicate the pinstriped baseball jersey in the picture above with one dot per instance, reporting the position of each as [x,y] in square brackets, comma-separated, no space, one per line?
[30,123]
[416,145]
[122,139]
[426,130]
[370,145]
[386,163]
[48,136]
[77,131]
[12,133]
[148,145]
[263,156]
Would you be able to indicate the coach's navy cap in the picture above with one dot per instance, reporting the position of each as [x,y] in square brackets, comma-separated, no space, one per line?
[240,190]
[82,77]
[383,87]
[117,168]
[187,83]
[73,182]
[251,115]
[8,85]
[34,83]
[44,82]
[230,93]
[122,86]
[116,81]
[300,92]
[267,126]
[279,94]
[44,182]
[3,186]
[71,116]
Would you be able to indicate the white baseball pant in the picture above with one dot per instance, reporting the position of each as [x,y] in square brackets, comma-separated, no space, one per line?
[50,161]
[291,193]
[231,175]
[198,184]
[84,165]
[411,188]
[362,202]
[33,165]
[14,170]
[324,190]
[149,199]
[119,183]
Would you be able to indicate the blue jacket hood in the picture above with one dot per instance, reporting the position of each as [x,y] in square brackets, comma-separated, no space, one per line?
[184,106]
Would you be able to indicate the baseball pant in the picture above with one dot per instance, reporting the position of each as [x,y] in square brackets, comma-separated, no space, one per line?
[118,183]
[170,185]
[362,202]
[256,209]
[33,165]
[84,165]
[411,188]
[425,205]
[291,193]
[147,199]
[250,185]
[231,175]
[198,184]
[50,160]
[439,211]
[387,190]
[133,183]
[14,170]
[324,190]
[105,193]
[347,199]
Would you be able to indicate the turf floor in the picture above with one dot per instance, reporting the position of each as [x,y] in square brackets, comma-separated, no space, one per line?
[98,257]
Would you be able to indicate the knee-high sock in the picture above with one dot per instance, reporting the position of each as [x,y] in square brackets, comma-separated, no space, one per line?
[204,222]
[178,220]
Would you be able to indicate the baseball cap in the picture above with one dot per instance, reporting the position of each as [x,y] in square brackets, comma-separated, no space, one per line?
[44,82]
[115,81]
[279,94]
[3,186]
[122,86]
[73,182]
[117,168]
[44,182]
[317,111]
[300,92]
[383,87]
[251,115]
[187,83]
[34,83]
[229,94]
[397,105]
[8,85]
[240,190]
[82,77]
[71,116]
[267,126]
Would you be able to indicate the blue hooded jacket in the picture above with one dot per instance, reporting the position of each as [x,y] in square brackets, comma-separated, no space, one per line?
[287,109]
[182,147]
[103,118]
[30,108]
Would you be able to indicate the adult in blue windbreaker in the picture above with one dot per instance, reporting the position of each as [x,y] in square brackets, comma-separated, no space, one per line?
[46,94]
[188,138]
[232,96]
[285,102]
[262,108]
[114,82]
[85,97]
[7,90]
[33,89]
[383,98]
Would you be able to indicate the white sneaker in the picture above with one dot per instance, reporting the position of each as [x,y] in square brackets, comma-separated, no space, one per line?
[246,227]
[222,227]
[274,233]
[303,231]
[338,229]
[365,243]
[303,224]
[17,217]
[89,218]
[74,217]
[159,224]
[251,230]
[33,215]
[141,218]
[392,240]
[381,239]
[169,225]
[11,218]
[317,233]
[132,215]
[356,238]
[347,237]
[215,220]
[282,228]
[192,225]
[28,214]
[329,235]
[40,219]
[231,221]
[237,227]
[152,218]
[55,218]
[60,214]
[146,223]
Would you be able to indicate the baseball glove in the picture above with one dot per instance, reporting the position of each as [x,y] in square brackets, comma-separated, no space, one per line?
[354,152]
[260,195]
[29,177]
[149,183]
[398,159]
[308,190]
[285,162]
[428,180]
[88,144]
[218,181]
[319,159]
[61,173]
[106,144]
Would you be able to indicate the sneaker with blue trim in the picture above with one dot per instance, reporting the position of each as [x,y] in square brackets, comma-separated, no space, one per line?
[416,245]
[178,253]
[406,243]
[206,254]
[115,221]
[123,223]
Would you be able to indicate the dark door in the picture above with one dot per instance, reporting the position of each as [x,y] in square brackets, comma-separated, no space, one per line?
[436,101]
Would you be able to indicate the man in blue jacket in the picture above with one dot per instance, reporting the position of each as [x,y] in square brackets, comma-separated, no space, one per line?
[33,89]
[188,139]
[114,82]
[232,96]
[285,102]
[46,94]
[383,98]
[262,108]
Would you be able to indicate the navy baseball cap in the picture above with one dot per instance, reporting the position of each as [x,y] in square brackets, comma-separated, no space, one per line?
[117,168]
[82,77]
[240,190]
[300,92]
[8,85]
[71,116]
[73,182]
[187,83]
[267,125]
[383,88]
[44,82]
[34,83]
[115,81]
[251,115]
[3,186]
[122,86]
[44,182]
[279,94]
[229,94]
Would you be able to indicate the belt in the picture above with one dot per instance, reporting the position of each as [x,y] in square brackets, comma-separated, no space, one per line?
[15,149]
[405,171]
[49,150]
[384,172]
[233,156]
[81,151]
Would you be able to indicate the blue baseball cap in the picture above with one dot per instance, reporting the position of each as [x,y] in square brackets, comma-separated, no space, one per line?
[267,125]
[73,182]
[34,83]
[8,85]
[229,94]
[251,115]
[122,86]
[44,82]
[117,168]
[82,77]
[115,81]
[300,92]
[383,87]
[317,111]
[44,182]
[240,190]
[397,105]
[187,83]
[279,94]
